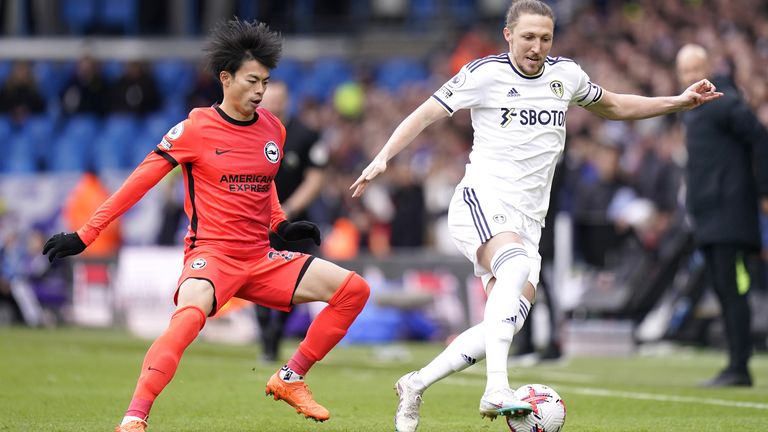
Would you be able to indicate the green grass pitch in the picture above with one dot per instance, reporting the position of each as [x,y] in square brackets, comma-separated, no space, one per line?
[82,380]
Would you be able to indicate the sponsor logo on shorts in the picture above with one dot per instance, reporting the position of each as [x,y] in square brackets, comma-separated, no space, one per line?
[273,255]
[198,264]
[499,218]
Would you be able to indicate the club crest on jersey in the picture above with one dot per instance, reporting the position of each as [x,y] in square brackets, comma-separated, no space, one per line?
[557,88]
[458,80]
[198,264]
[499,219]
[272,152]
[176,131]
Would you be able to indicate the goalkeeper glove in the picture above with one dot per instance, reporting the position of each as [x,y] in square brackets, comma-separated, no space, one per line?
[62,245]
[300,230]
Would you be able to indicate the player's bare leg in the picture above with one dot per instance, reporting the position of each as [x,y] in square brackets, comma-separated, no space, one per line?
[346,294]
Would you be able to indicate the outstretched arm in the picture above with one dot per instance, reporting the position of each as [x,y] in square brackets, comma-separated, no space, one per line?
[144,177]
[426,114]
[615,106]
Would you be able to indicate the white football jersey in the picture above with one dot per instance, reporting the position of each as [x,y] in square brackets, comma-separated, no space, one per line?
[519,124]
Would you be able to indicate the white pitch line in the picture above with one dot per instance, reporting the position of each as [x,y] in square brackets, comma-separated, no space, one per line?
[590,391]
[663,398]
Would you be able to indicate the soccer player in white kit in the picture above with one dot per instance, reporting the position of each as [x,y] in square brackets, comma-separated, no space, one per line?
[518,102]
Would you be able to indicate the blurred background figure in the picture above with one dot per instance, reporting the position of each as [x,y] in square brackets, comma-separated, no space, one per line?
[727,177]
[89,193]
[86,90]
[20,96]
[205,91]
[299,181]
[135,91]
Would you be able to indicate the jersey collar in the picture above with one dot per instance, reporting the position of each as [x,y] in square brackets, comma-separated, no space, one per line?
[235,122]
[512,65]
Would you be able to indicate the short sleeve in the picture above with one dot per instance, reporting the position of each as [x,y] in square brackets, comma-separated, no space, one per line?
[587,93]
[179,145]
[318,155]
[461,91]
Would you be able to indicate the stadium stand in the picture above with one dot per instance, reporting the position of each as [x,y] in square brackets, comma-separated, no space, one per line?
[624,46]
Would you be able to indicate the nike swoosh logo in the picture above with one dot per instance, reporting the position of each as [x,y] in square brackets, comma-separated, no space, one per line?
[153,369]
[221,152]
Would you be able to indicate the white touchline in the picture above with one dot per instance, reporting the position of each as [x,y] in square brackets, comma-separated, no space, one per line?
[589,391]
[661,397]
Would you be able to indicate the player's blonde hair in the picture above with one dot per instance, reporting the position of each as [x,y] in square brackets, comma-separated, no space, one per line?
[521,7]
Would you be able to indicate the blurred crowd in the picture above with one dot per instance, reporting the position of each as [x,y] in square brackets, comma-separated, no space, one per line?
[622,180]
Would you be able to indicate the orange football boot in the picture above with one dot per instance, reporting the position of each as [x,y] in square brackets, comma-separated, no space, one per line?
[297,395]
[132,426]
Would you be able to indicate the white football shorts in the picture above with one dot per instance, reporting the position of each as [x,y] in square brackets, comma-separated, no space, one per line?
[475,215]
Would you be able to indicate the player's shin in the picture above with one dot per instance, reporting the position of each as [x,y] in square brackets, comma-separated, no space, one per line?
[331,324]
[510,267]
[162,359]
[465,350]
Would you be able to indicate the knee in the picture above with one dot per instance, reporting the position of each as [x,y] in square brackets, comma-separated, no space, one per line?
[511,256]
[353,291]
[198,293]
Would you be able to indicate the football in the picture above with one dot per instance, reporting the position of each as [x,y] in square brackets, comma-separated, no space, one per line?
[548,410]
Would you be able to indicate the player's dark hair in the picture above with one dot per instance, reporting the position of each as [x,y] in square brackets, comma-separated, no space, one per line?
[234,41]
[522,7]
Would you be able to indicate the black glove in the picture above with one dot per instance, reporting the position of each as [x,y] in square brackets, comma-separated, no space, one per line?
[62,245]
[300,230]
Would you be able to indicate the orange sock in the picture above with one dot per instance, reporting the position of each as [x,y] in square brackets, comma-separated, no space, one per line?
[331,323]
[163,357]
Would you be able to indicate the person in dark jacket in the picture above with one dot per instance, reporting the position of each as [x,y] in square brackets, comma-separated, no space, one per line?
[299,181]
[727,178]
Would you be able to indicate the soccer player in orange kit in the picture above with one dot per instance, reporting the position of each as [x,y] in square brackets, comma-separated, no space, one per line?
[229,155]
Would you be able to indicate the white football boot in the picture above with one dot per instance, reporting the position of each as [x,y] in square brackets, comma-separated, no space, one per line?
[407,414]
[503,402]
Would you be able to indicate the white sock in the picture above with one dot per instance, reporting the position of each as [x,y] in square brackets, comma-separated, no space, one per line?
[128,419]
[522,313]
[289,375]
[465,350]
[511,268]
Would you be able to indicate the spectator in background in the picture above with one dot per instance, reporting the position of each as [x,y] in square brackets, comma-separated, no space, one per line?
[135,91]
[206,90]
[727,175]
[474,44]
[596,235]
[86,91]
[172,212]
[298,182]
[86,197]
[524,339]
[408,225]
[20,95]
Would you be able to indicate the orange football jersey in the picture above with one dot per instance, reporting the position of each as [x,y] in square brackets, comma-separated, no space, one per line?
[229,167]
